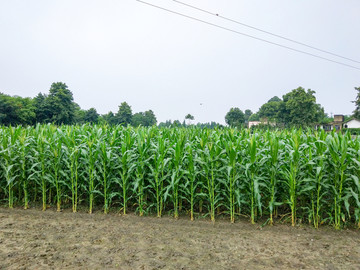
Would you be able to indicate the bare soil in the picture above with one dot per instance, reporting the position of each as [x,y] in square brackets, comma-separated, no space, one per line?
[32,239]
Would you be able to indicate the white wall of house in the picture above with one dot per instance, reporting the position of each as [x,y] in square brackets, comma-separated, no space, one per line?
[354,123]
[254,123]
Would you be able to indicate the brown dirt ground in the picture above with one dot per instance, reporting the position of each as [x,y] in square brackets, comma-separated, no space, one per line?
[32,239]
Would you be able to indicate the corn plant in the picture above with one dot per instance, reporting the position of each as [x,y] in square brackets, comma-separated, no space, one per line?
[57,153]
[275,157]
[143,144]
[107,168]
[354,189]
[293,170]
[178,156]
[255,160]
[10,162]
[338,149]
[25,159]
[126,164]
[157,168]
[91,158]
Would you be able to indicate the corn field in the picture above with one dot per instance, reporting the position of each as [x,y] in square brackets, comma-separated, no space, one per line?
[292,176]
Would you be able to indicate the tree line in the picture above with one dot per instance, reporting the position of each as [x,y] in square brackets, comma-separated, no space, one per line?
[296,108]
[58,107]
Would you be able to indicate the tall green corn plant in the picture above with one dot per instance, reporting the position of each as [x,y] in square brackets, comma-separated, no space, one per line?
[142,158]
[319,182]
[232,156]
[157,166]
[10,161]
[339,160]
[90,156]
[292,171]
[212,163]
[73,150]
[275,161]
[254,162]
[354,189]
[192,183]
[106,167]
[126,163]
[178,156]
[41,157]
[24,142]
[57,154]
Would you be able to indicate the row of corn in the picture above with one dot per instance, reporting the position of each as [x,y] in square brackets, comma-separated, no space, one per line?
[267,176]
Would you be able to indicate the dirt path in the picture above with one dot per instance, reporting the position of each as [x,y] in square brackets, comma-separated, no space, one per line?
[33,239]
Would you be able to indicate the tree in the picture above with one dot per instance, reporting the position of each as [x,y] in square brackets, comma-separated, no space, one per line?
[235,117]
[109,118]
[42,109]
[189,117]
[247,115]
[274,98]
[150,118]
[270,110]
[299,108]
[356,112]
[145,119]
[16,110]
[124,114]
[91,116]
[60,104]
[254,117]
[8,110]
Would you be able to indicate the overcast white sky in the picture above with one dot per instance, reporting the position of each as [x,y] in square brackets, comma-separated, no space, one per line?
[111,51]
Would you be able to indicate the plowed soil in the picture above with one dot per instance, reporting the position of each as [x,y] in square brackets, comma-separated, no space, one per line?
[32,239]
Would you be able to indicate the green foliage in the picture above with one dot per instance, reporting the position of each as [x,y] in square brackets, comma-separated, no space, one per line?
[235,117]
[60,104]
[247,115]
[270,110]
[299,108]
[356,112]
[16,110]
[124,114]
[91,116]
[146,119]
[254,117]
[352,131]
[306,176]
[189,117]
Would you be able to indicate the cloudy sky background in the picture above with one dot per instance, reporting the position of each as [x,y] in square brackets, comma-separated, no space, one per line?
[112,51]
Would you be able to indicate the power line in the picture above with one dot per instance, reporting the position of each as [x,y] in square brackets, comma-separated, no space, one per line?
[264,31]
[246,35]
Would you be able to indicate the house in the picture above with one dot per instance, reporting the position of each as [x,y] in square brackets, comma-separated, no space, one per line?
[353,123]
[263,121]
[253,123]
[338,122]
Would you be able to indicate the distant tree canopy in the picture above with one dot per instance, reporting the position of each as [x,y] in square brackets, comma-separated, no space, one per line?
[297,108]
[247,115]
[145,119]
[356,112]
[124,114]
[16,110]
[58,107]
[91,116]
[235,117]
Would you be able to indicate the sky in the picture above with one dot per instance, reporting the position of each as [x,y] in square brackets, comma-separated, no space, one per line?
[111,51]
